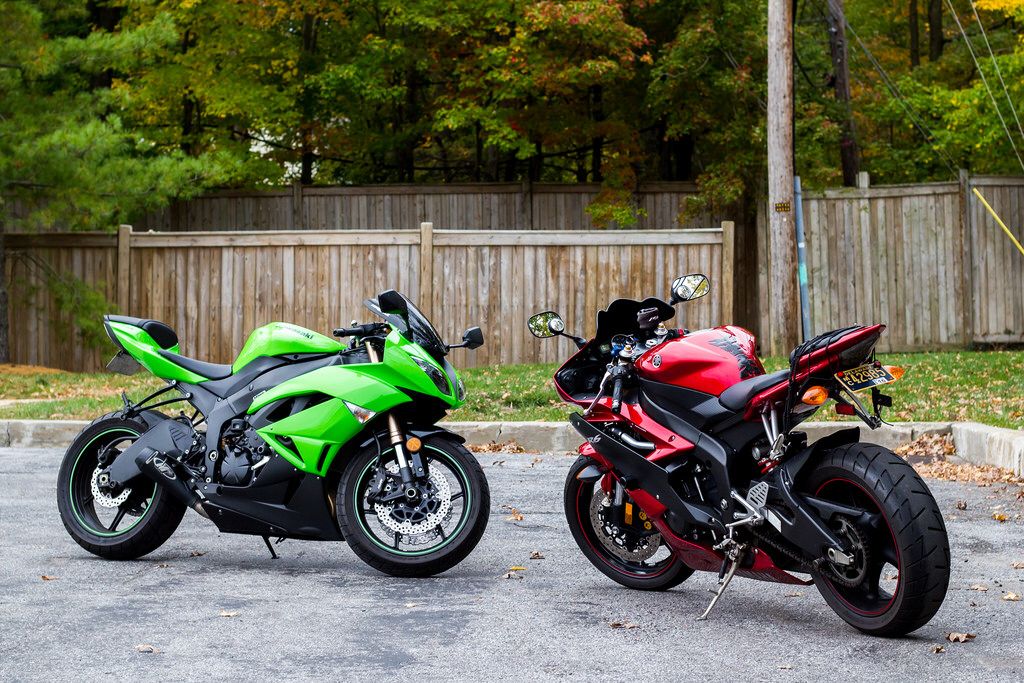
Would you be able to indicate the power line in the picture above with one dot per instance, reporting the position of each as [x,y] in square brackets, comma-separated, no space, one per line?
[1006,91]
[895,91]
[970,48]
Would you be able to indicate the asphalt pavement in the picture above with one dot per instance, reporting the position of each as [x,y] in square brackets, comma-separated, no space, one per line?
[213,606]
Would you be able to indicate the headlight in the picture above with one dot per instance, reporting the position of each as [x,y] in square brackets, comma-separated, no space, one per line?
[435,374]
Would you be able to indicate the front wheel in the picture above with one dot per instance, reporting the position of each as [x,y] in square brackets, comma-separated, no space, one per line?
[628,551]
[900,570]
[421,535]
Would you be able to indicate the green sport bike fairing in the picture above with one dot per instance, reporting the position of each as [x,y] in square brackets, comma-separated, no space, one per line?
[301,437]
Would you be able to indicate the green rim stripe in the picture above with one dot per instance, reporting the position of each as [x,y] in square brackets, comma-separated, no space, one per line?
[71,490]
[415,553]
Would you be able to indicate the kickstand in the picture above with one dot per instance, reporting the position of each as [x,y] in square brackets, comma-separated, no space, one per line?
[723,583]
[273,555]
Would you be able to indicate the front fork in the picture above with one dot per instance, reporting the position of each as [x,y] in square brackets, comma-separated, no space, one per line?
[408,470]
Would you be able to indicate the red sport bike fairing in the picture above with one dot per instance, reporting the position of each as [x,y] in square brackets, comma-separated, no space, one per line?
[693,462]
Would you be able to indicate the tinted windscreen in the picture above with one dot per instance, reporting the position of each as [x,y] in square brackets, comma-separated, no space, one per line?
[423,333]
[410,321]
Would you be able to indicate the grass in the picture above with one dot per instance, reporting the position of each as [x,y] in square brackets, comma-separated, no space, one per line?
[983,386]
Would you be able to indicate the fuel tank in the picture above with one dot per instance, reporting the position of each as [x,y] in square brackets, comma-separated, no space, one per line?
[281,339]
[709,361]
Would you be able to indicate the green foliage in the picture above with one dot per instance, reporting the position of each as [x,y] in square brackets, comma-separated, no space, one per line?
[112,107]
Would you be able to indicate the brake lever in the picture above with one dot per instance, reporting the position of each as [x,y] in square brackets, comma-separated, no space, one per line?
[600,392]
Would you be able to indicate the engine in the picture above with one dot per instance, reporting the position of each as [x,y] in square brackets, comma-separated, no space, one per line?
[243,452]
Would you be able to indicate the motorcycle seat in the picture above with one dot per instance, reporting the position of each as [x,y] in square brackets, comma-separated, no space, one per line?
[738,395]
[201,368]
[161,333]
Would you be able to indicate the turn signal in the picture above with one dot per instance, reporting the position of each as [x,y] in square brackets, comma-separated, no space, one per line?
[815,396]
[896,371]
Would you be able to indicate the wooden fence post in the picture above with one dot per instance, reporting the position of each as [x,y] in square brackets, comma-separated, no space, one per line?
[967,251]
[728,272]
[426,296]
[124,268]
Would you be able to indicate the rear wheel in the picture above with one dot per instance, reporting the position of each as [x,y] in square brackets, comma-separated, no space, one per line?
[629,554]
[421,535]
[900,570]
[121,524]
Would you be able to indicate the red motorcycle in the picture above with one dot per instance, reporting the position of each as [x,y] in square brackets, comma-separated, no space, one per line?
[692,462]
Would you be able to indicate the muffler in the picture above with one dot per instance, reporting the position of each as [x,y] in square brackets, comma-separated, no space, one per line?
[164,471]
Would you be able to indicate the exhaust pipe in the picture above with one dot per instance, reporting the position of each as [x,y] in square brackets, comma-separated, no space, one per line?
[161,469]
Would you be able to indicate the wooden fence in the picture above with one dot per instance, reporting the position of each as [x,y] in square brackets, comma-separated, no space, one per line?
[476,206]
[927,260]
[213,288]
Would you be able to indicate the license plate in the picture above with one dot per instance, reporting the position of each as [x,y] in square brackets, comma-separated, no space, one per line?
[864,377]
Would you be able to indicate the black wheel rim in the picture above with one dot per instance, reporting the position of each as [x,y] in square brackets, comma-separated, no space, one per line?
[879,574]
[377,525]
[94,517]
[658,564]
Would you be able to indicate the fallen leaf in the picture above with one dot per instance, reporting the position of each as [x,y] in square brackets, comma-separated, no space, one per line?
[795,594]
[163,565]
[785,667]
[512,575]
[46,577]
[225,613]
[623,624]
[517,568]
[999,516]
[973,604]
[1011,597]
[514,514]
[1018,565]
[960,637]
[197,553]
[410,605]
[149,649]
[536,555]
[979,587]
[961,505]
[938,649]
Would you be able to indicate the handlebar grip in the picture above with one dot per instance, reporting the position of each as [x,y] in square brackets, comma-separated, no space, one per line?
[357,331]
[617,395]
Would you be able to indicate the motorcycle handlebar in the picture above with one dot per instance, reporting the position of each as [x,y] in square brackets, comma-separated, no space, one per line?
[364,330]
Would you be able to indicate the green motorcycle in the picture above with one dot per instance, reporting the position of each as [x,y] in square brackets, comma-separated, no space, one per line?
[301,437]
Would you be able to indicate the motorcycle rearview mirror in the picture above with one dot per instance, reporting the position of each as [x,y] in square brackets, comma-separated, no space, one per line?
[550,324]
[473,338]
[546,324]
[689,287]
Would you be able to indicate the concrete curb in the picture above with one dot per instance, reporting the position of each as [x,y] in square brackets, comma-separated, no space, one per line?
[975,443]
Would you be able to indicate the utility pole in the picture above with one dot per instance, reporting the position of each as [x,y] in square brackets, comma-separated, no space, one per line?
[783,308]
[849,153]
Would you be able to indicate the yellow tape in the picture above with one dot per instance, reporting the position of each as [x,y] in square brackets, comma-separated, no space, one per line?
[999,221]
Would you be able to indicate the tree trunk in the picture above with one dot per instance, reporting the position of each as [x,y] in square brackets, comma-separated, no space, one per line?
[784,311]
[597,142]
[849,153]
[935,39]
[306,66]
[188,104]
[915,35]
[5,349]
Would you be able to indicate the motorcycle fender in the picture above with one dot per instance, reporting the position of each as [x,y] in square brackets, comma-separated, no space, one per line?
[419,432]
[839,438]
